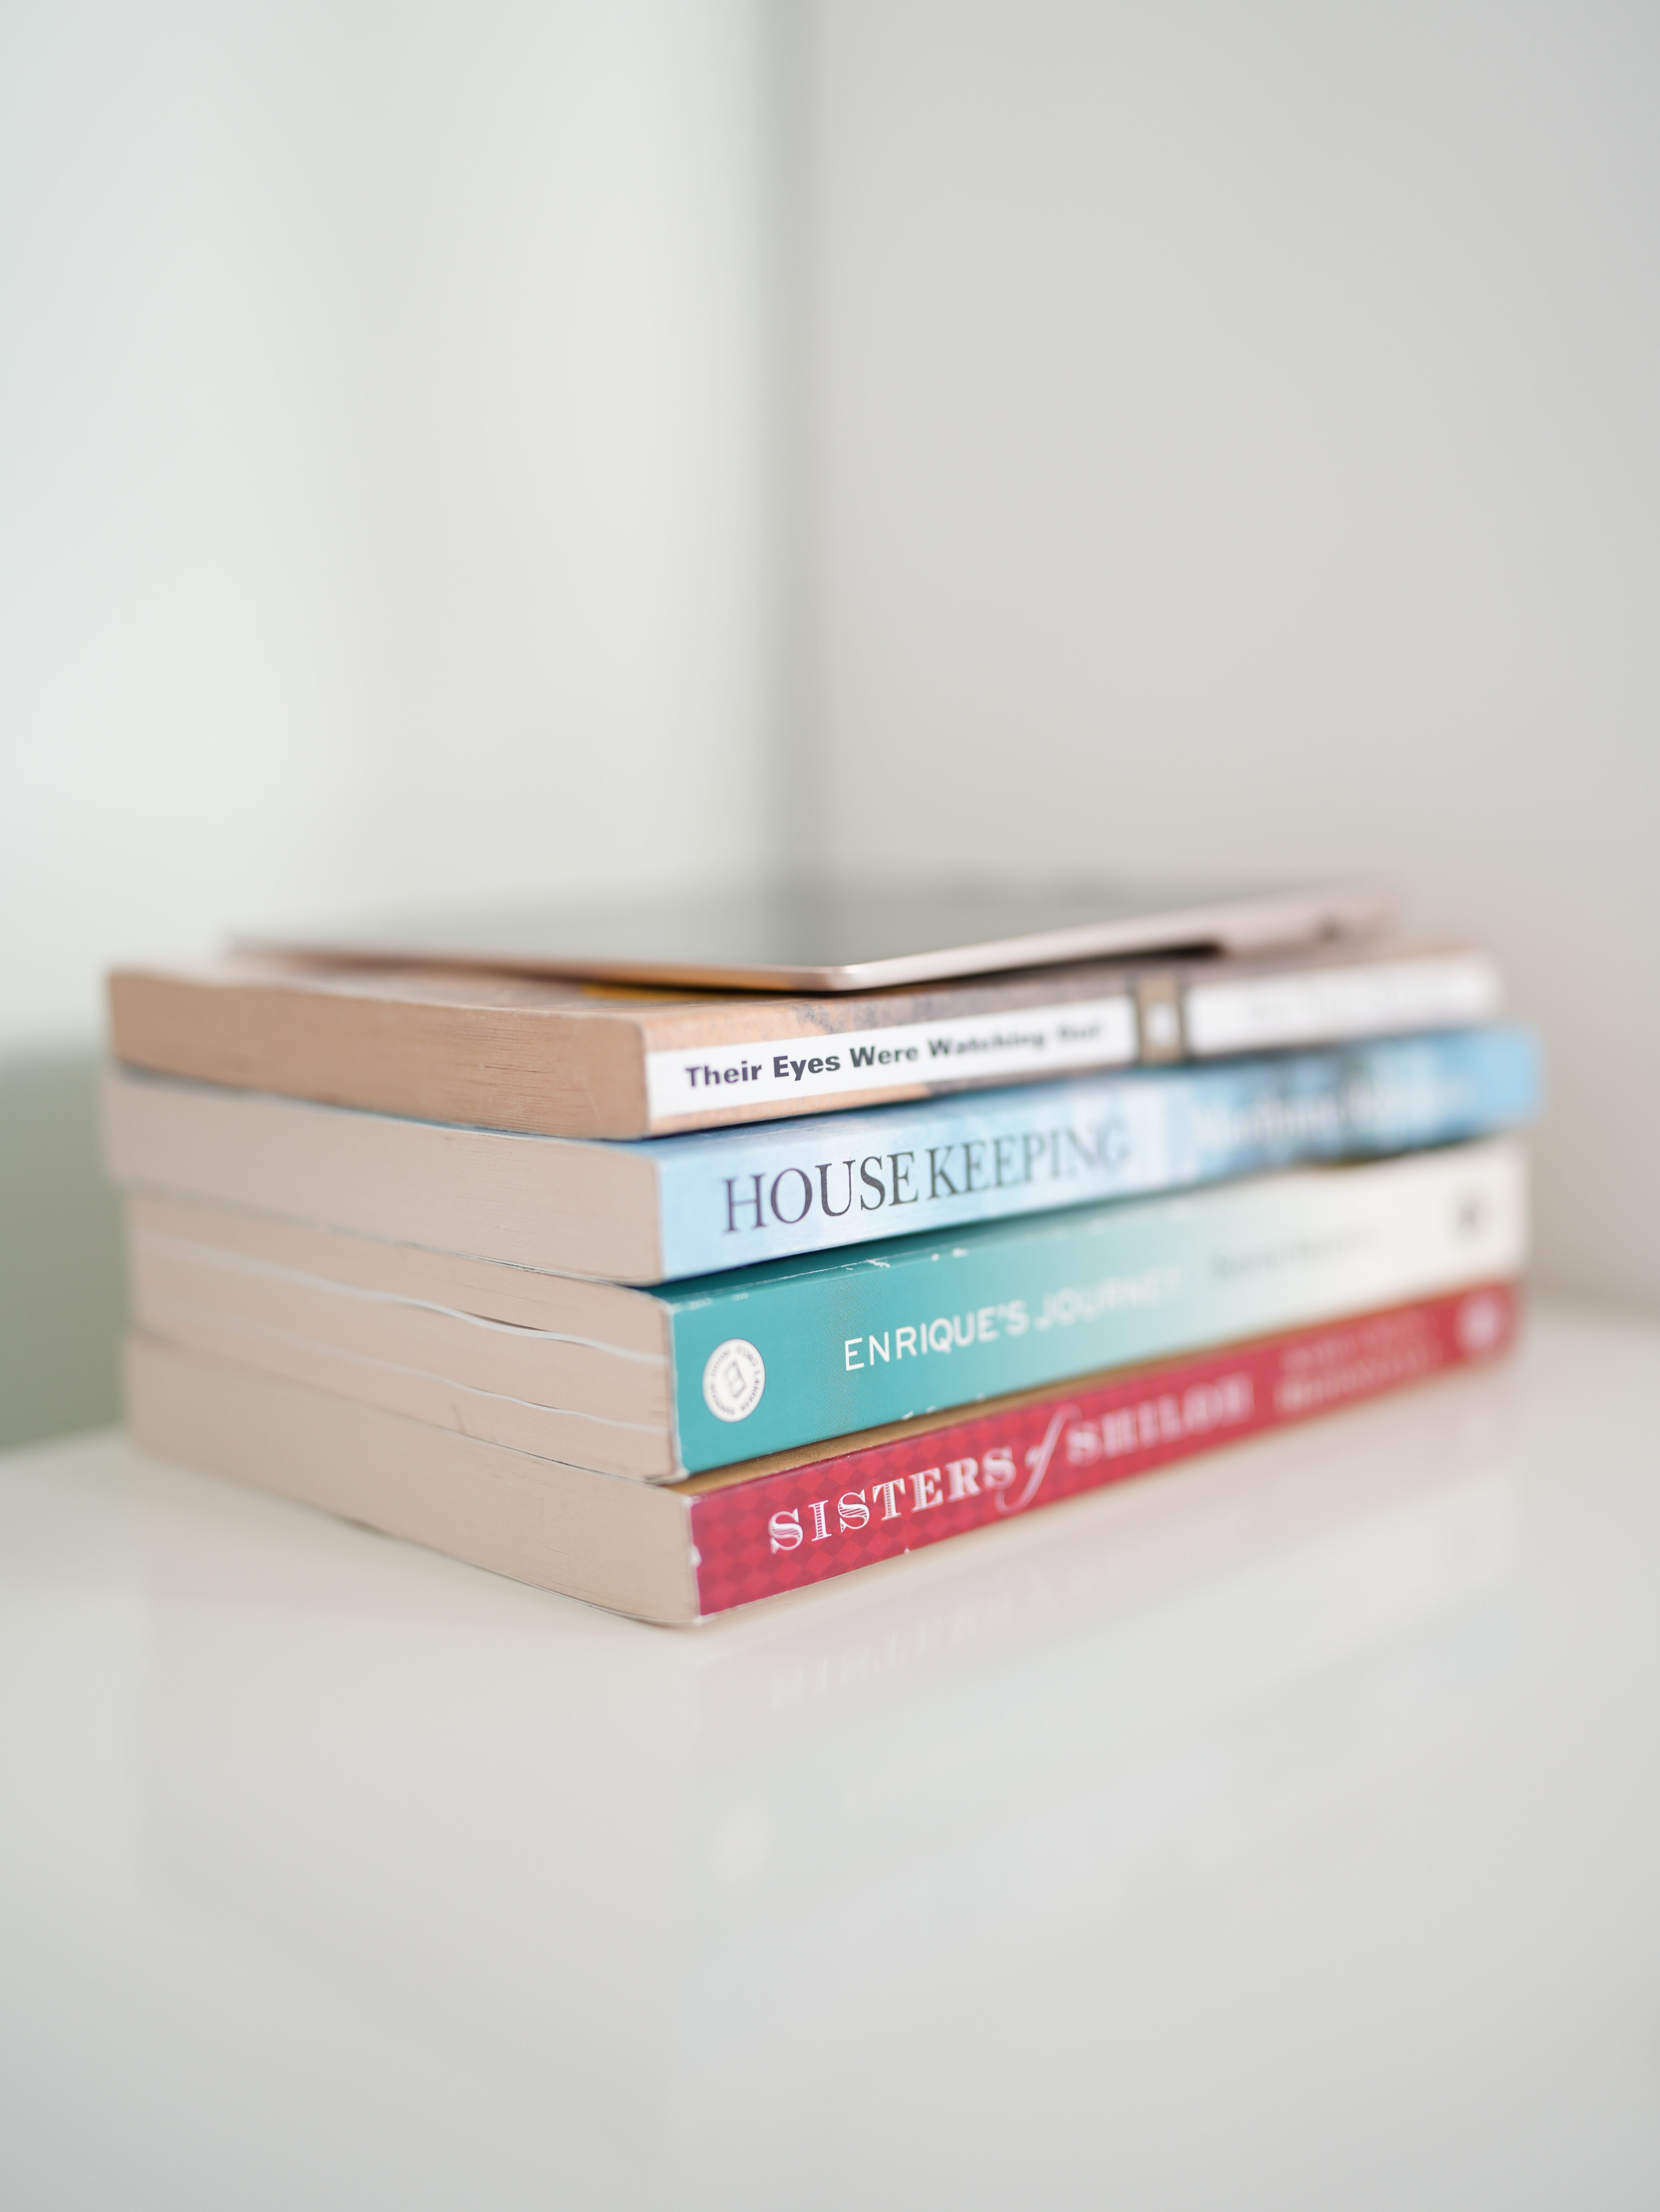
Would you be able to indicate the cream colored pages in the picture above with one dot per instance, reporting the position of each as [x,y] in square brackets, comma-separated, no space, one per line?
[542,1202]
[560,1395]
[563,1304]
[617,1544]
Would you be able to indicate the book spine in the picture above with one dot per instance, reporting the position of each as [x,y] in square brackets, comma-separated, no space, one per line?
[786,1531]
[772,1358]
[765,1191]
[804,1056]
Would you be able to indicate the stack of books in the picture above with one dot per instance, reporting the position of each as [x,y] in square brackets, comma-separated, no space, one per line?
[675,1299]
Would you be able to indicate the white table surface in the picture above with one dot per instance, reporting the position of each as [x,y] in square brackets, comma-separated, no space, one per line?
[1281,1831]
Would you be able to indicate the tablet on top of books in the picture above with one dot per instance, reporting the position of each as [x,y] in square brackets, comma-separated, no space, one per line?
[853,937]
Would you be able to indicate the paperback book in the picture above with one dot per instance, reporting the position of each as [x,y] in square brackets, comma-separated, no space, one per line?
[559,1058]
[659,1382]
[704,1546]
[662,1209]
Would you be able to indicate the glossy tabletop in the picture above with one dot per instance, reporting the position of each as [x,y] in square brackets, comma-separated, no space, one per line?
[1283,1831]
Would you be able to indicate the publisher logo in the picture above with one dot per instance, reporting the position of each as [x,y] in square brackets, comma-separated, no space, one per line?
[734,1377]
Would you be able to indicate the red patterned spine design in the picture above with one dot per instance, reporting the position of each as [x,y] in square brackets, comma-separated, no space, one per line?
[781,1532]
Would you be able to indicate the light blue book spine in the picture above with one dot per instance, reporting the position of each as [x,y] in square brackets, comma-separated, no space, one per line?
[772,1356]
[733,1197]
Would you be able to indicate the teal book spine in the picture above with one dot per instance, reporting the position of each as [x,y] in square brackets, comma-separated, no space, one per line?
[768,1358]
[730,1198]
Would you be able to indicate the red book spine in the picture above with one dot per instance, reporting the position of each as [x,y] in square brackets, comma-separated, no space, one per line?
[781,1532]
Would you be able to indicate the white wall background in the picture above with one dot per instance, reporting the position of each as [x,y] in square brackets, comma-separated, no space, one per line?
[383,462]
[1240,443]
[442,449]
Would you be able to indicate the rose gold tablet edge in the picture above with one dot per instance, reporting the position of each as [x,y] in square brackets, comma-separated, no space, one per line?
[1285,920]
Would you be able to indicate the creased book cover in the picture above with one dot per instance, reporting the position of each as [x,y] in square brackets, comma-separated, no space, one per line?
[766,1359]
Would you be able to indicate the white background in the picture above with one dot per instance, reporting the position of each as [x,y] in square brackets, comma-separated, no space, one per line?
[380,427]
[452,452]
[1241,445]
